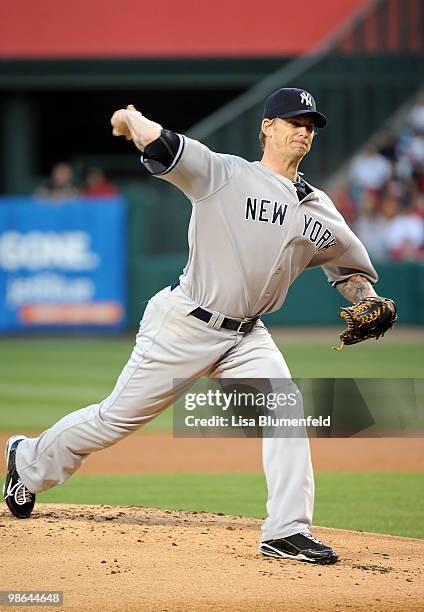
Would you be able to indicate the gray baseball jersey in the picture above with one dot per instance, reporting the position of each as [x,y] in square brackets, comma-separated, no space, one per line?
[250,237]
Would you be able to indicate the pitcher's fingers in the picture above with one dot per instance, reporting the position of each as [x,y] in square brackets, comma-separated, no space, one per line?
[115,116]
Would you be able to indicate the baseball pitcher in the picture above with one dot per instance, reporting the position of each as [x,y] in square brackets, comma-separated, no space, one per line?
[254,228]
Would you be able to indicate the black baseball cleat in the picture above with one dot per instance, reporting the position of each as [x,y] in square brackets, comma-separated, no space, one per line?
[18,498]
[301,546]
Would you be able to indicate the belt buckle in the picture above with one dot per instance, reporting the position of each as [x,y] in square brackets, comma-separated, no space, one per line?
[245,320]
[238,330]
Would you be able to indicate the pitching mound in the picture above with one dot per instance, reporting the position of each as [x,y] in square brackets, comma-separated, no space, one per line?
[114,558]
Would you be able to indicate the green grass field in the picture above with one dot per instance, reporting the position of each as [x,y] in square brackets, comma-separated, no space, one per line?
[378,502]
[44,378]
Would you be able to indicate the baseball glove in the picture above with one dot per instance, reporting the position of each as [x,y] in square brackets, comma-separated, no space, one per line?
[369,318]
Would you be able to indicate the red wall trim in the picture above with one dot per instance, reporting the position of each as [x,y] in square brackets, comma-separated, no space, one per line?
[106,28]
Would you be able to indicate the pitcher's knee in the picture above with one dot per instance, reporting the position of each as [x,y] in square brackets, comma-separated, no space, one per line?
[126,422]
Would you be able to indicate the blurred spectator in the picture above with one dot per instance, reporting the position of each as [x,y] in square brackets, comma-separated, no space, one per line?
[418,206]
[345,204]
[60,187]
[418,178]
[369,171]
[416,117]
[389,147]
[370,228]
[416,149]
[404,166]
[404,236]
[397,190]
[97,185]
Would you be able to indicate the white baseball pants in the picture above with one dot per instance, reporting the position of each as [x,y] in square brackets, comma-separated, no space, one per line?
[172,345]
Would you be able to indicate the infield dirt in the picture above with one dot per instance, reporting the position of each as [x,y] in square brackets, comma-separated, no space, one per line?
[154,452]
[138,559]
[129,559]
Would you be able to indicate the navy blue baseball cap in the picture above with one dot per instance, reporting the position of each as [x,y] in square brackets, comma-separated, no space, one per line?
[290,102]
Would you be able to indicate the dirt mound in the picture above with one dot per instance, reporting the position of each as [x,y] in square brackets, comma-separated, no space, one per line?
[115,558]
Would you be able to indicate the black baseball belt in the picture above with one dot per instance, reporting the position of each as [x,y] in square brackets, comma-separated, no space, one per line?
[241,327]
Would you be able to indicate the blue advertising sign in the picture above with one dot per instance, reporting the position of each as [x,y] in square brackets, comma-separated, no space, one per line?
[62,266]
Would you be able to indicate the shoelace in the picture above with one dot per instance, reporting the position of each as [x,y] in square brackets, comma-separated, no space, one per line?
[313,538]
[20,492]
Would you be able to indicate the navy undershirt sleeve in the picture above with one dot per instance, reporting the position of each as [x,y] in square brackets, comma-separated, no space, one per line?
[160,154]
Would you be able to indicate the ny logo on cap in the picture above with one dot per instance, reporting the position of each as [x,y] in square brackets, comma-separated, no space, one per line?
[306,98]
